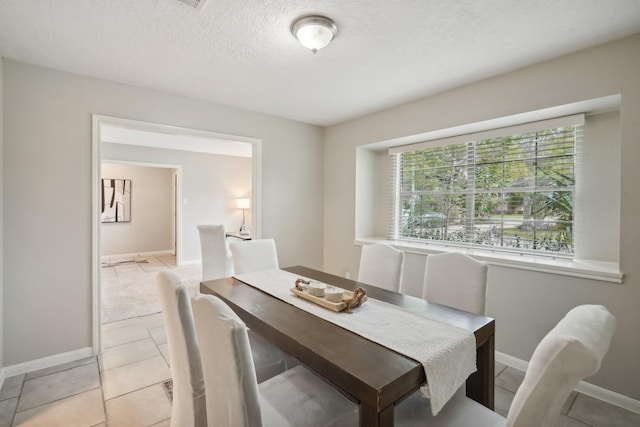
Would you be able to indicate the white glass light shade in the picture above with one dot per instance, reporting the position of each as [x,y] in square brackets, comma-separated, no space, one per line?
[314,32]
[243,203]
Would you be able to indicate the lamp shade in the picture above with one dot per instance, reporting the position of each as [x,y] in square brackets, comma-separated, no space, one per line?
[243,203]
[314,32]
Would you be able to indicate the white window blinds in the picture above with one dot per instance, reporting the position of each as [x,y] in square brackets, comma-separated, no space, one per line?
[509,189]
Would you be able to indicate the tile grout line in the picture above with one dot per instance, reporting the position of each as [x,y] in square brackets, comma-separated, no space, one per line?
[61,370]
[15,411]
[104,402]
[134,341]
[58,400]
[124,343]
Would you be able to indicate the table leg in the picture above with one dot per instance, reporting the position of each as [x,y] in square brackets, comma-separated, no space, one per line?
[370,417]
[480,384]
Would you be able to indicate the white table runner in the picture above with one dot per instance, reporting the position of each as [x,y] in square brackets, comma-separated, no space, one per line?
[447,353]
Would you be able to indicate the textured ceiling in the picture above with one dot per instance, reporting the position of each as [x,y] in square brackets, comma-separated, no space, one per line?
[241,53]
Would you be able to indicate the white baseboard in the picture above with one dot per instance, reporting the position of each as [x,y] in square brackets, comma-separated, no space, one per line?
[609,396]
[46,362]
[511,361]
[191,262]
[594,391]
[141,254]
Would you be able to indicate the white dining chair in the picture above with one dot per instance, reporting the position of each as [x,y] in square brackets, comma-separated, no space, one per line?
[254,255]
[215,253]
[570,352]
[249,256]
[189,406]
[456,280]
[296,398]
[381,265]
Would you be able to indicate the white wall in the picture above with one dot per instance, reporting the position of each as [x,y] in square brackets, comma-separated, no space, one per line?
[211,184]
[1,216]
[47,173]
[525,304]
[597,198]
[151,225]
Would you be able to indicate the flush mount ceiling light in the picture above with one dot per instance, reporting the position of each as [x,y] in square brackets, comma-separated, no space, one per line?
[314,32]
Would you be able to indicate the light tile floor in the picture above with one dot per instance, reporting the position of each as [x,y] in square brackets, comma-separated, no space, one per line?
[123,387]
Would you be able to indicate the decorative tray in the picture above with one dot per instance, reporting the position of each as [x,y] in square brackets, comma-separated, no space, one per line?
[350,299]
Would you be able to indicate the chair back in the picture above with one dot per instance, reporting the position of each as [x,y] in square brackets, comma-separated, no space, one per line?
[189,407]
[573,350]
[230,379]
[456,280]
[216,258]
[254,255]
[381,265]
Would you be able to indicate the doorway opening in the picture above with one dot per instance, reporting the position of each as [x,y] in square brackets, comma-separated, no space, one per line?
[134,249]
[193,192]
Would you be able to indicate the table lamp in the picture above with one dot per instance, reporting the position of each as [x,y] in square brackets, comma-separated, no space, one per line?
[243,204]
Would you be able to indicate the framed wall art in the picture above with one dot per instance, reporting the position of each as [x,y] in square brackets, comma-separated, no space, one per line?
[116,200]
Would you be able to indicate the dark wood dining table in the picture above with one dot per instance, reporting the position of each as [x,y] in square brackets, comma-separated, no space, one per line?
[372,375]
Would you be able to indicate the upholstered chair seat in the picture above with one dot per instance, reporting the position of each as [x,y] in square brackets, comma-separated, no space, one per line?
[249,256]
[456,280]
[188,407]
[254,255]
[215,253]
[217,262]
[296,398]
[381,265]
[570,352]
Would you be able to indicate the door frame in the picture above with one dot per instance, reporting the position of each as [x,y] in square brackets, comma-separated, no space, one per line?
[96,122]
[176,190]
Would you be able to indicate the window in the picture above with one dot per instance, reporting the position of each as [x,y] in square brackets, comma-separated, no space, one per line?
[509,189]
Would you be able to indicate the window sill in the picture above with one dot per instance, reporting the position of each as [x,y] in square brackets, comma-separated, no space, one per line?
[583,268]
